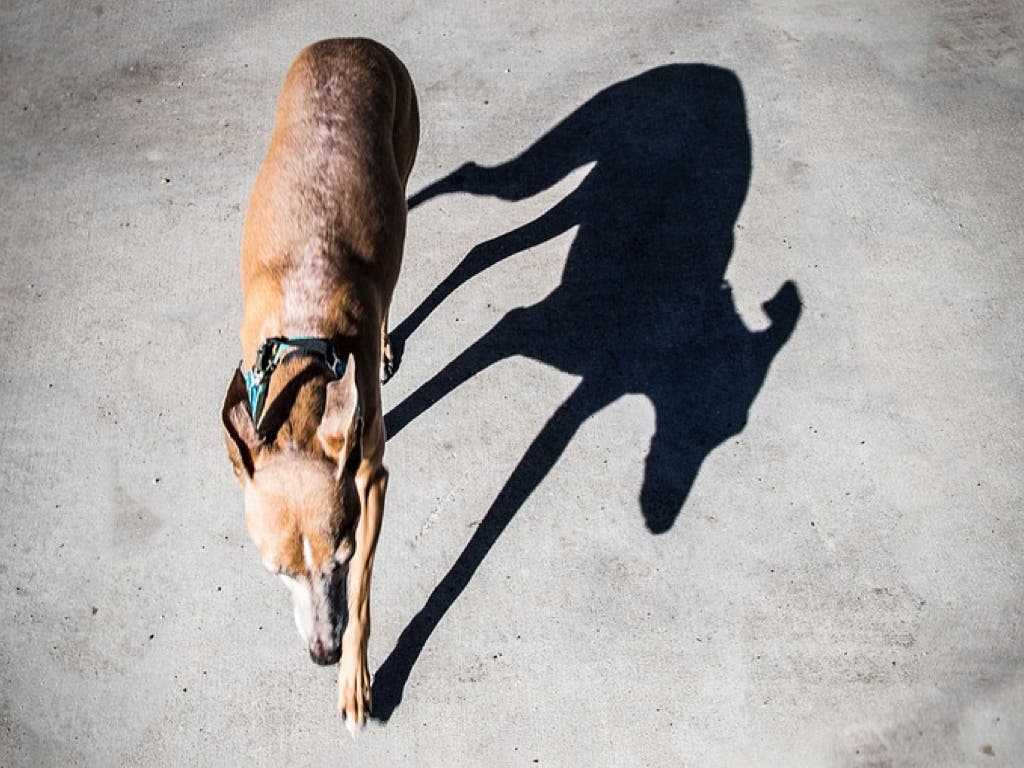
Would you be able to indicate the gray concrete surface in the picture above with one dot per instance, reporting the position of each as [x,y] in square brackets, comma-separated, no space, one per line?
[842,585]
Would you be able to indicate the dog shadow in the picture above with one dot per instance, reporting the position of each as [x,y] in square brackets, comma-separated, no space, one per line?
[642,306]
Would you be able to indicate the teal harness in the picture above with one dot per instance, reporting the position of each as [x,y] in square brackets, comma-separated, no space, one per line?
[270,354]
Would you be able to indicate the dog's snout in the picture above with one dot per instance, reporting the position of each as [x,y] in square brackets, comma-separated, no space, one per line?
[323,654]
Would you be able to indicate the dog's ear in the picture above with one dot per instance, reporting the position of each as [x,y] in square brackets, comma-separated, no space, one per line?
[339,426]
[240,432]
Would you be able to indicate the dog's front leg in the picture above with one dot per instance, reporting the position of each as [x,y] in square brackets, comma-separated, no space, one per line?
[354,678]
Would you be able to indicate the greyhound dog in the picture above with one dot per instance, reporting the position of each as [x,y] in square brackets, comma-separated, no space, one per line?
[321,252]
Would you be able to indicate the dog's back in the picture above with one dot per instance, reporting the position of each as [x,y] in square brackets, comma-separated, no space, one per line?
[324,231]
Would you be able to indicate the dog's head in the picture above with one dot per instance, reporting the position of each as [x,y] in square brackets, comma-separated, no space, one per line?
[301,506]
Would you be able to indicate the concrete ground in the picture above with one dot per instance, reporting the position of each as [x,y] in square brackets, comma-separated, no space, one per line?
[652,528]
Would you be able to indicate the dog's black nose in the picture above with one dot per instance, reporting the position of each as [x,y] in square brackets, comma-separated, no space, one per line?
[322,655]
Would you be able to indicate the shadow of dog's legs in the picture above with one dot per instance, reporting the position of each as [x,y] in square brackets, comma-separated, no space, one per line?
[540,457]
[550,224]
[495,345]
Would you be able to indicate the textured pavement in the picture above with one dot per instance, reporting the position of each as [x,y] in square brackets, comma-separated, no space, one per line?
[707,439]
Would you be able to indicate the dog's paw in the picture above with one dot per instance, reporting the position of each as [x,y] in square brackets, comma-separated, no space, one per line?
[387,369]
[354,697]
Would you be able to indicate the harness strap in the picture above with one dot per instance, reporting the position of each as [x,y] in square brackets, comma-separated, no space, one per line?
[270,354]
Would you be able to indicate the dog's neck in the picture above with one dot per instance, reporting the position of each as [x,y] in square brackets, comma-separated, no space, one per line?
[295,404]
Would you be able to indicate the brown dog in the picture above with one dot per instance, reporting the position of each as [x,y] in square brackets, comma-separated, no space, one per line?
[321,252]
